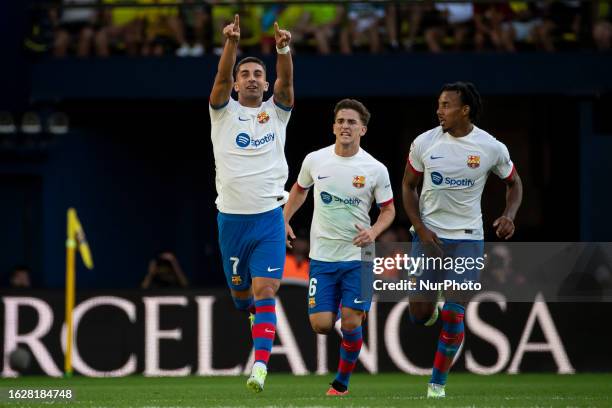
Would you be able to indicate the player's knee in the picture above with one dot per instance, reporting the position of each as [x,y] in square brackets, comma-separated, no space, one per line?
[421,313]
[352,321]
[264,288]
[321,327]
[265,292]
[350,325]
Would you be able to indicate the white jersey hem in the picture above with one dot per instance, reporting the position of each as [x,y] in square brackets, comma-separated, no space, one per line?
[245,212]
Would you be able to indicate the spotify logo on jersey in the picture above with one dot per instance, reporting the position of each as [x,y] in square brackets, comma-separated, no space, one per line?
[436,178]
[326,197]
[243,140]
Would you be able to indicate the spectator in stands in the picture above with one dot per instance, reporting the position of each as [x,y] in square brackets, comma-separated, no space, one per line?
[250,24]
[452,25]
[123,30]
[164,272]
[318,22]
[297,266]
[74,26]
[362,27]
[188,28]
[488,23]
[20,277]
[163,29]
[562,21]
[197,22]
[602,29]
[411,17]
[287,16]
[391,27]
[526,28]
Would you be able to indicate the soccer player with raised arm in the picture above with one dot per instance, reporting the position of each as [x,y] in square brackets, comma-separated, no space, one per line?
[453,162]
[248,137]
[346,181]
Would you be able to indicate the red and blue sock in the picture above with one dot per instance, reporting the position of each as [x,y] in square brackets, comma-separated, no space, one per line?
[264,329]
[449,341]
[349,352]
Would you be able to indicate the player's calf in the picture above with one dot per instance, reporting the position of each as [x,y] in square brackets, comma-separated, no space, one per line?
[451,337]
[263,332]
[352,340]
[264,329]
[247,305]
[350,347]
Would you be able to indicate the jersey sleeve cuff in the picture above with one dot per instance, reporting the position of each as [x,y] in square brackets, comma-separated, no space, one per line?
[280,105]
[301,187]
[217,107]
[509,176]
[385,203]
[413,169]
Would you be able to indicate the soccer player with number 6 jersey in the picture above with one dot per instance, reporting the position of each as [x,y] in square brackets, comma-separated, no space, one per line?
[453,162]
[346,181]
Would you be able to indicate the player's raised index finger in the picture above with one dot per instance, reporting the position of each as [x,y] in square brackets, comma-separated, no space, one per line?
[276,29]
[236,21]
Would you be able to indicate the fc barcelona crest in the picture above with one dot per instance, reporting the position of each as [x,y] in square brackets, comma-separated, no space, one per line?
[359,181]
[473,162]
[263,117]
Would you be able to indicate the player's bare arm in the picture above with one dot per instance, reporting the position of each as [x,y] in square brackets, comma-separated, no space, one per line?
[410,199]
[504,225]
[366,236]
[224,80]
[297,197]
[283,87]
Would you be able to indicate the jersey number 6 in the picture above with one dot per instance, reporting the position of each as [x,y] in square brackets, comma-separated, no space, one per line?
[312,287]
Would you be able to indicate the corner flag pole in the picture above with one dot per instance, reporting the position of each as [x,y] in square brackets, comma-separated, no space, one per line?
[75,237]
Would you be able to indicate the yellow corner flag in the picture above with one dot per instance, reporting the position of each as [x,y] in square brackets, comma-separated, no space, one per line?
[75,232]
[75,236]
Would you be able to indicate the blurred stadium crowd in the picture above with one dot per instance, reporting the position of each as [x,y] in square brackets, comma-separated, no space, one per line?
[193,28]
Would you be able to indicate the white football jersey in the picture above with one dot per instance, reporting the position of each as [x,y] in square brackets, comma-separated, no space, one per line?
[249,147]
[455,171]
[344,190]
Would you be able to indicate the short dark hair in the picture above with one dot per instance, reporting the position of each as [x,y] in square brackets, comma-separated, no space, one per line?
[364,113]
[247,60]
[469,96]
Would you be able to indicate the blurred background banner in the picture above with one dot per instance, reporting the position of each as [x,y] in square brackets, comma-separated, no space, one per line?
[184,333]
[103,106]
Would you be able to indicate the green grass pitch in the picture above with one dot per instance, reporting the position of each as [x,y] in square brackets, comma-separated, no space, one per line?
[282,390]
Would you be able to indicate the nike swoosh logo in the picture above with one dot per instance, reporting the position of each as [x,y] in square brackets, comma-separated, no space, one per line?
[358,301]
[272,270]
[243,120]
[323,177]
[268,330]
[436,157]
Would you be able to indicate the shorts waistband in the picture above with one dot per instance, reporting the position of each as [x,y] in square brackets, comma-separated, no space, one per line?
[245,217]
